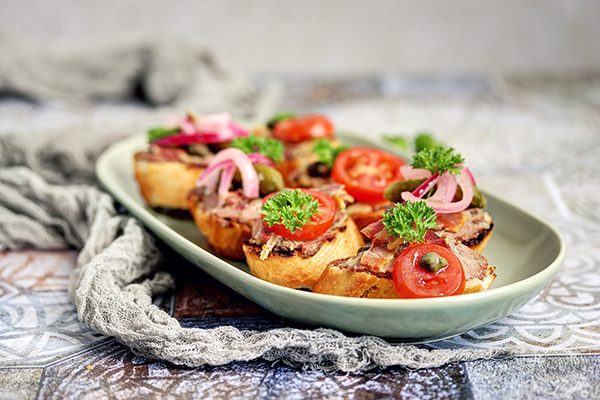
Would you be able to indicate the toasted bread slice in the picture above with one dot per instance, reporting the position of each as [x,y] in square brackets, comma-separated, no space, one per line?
[292,269]
[340,279]
[353,278]
[165,183]
[228,226]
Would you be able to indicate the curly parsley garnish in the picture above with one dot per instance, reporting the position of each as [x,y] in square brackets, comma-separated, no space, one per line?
[159,133]
[438,159]
[290,208]
[269,147]
[327,152]
[410,220]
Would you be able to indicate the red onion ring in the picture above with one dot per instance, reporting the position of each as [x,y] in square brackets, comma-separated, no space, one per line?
[215,128]
[446,188]
[242,162]
[441,207]
[258,158]
[426,186]
[408,172]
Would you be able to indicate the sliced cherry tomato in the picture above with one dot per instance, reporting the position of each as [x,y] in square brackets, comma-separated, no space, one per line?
[319,223]
[366,172]
[413,281]
[298,129]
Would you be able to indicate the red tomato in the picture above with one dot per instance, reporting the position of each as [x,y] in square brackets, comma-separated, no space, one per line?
[366,172]
[319,223]
[412,281]
[302,128]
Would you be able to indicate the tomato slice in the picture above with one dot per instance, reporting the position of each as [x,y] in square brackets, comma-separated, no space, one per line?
[366,172]
[319,223]
[298,129]
[412,281]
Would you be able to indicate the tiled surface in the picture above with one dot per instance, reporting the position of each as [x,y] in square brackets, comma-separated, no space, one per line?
[46,353]
[38,322]
[109,370]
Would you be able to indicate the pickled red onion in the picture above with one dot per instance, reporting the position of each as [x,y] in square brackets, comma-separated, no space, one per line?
[443,207]
[426,186]
[467,171]
[408,172]
[446,188]
[214,128]
[210,176]
[226,179]
[258,158]
[226,160]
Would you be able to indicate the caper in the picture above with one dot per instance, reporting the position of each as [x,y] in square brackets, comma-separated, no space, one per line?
[319,169]
[393,192]
[270,180]
[432,262]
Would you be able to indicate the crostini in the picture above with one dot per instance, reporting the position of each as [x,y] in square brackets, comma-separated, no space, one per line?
[178,153]
[301,166]
[226,199]
[408,257]
[299,233]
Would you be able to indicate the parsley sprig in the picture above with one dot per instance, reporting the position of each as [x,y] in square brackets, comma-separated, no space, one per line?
[410,220]
[438,159]
[269,147]
[160,132]
[291,208]
[327,152]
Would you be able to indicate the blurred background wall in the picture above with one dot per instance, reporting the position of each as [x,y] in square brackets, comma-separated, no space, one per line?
[337,37]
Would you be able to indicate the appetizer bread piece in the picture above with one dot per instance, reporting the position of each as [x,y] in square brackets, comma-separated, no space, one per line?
[407,258]
[300,166]
[166,175]
[300,232]
[177,155]
[223,211]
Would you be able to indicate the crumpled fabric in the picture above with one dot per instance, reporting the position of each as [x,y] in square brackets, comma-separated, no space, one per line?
[49,199]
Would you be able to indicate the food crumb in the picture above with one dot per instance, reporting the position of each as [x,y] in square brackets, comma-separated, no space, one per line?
[89,367]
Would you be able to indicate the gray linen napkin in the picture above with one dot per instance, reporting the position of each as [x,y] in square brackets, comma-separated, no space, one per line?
[50,200]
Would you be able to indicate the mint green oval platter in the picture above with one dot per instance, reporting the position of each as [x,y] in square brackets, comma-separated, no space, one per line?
[526,251]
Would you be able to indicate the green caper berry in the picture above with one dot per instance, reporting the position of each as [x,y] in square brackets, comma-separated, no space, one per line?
[432,262]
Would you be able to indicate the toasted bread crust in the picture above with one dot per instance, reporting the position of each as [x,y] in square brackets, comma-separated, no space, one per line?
[166,184]
[226,240]
[297,272]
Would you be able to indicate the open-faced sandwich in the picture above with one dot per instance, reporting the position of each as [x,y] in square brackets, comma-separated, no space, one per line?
[177,155]
[299,233]
[301,166]
[226,200]
[428,244]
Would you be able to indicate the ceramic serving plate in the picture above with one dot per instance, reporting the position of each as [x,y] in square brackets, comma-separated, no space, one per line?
[526,251]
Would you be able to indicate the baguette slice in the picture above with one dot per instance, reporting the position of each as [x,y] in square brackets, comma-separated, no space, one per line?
[165,183]
[351,277]
[228,226]
[291,269]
